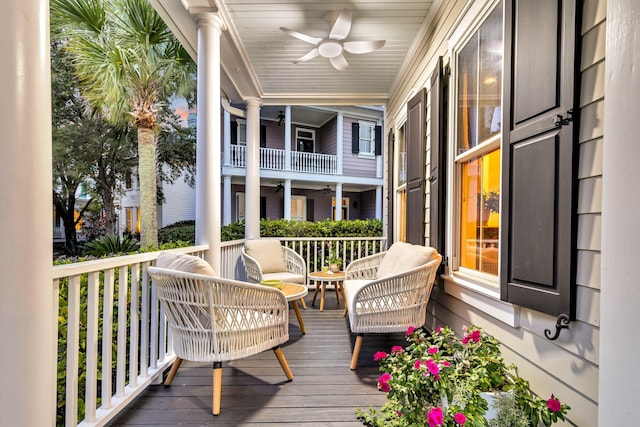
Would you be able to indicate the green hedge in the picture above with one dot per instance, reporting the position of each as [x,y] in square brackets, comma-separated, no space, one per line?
[185,230]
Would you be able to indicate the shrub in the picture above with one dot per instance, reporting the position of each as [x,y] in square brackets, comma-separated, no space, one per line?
[111,244]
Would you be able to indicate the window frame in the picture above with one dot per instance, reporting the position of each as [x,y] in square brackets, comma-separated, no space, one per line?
[479,290]
[302,217]
[312,139]
[371,153]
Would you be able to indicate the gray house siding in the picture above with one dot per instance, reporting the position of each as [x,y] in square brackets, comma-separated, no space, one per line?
[568,366]
[354,165]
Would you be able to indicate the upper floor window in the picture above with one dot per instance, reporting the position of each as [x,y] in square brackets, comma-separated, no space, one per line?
[305,140]
[366,138]
[479,101]
[241,134]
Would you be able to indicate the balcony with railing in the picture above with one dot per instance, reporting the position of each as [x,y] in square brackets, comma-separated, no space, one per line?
[112,334]
[275,159]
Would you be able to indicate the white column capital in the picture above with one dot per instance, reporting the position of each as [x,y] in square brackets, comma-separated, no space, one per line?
[208,16]
[253,101]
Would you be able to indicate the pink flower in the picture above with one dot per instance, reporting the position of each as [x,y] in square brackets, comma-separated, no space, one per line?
[380,355]
[384,387]
[446,364]
[433,367]
[459,418]
[473,336]
[383,382]
[410,330]
[435,417]
[417,364]
[438,329]
[397,349]
[432,350]
[554,404]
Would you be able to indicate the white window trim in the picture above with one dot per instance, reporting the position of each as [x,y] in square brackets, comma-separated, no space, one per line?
[481,291]
[241,122]
[372,153]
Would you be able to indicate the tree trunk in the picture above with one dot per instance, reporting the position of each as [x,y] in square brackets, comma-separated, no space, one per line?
[148,197]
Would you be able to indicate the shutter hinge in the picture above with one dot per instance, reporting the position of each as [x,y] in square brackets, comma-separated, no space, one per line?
[559,120]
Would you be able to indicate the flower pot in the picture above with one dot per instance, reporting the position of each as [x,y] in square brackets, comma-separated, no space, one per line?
[334,268]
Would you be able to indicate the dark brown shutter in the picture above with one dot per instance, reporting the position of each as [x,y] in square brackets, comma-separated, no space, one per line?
[263,207]
[415,142]
[378,140]
[263,136]
[355,138]
[234,132]
[391,191]
[310,209]
[539,162]
[437,178]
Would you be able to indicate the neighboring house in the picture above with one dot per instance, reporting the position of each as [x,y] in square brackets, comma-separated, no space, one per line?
[321,160]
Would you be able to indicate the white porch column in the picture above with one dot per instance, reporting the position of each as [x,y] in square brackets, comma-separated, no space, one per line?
[619,372]
[226,202]
[227,138]
[208,183]
[379,202]
[340,141]
[287,138]
[28,323]
[338,202]
[252,190]
[287,199]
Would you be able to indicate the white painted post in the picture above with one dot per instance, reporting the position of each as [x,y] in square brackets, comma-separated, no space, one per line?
[287,199]
[340,141]
[619,372]
[379,202]
[226,203]
[27,318]
[287,138]
[252,190]
[226,152]
[338,202]
[208,182]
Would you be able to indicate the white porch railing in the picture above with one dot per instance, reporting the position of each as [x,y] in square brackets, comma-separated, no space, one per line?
[112,333]
[274,159]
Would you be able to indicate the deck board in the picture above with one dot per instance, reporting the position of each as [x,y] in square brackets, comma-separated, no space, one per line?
[323,393]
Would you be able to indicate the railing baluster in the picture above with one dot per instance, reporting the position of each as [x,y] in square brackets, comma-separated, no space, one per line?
[144,329]
[73,346]
[107,335]
[90,399]
[134,322]
[121,359]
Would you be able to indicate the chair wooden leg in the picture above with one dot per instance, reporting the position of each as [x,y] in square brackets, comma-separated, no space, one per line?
[173,371]
[356,352]
[299,315]
[217,387]
[304,304]
[283,362]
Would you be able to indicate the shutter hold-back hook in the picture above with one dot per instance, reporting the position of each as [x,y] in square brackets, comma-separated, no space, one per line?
[562,322]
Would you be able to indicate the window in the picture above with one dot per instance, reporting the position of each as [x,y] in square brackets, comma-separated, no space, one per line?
[298,208]
[366,138]
[132,218]
[305,140]
[239,206]
[477,162]
[345,208]
[241,134]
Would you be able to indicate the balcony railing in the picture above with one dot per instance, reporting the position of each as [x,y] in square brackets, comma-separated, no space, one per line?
[112,333]
[274,159]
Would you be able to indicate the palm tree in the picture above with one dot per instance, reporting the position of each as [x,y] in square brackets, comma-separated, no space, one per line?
[128,64]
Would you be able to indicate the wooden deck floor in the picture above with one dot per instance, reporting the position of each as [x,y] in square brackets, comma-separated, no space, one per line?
[324,391]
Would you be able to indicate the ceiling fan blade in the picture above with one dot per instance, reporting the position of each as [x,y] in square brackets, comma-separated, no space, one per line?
[342,26]
[303,37]
[363,46]
[312,54]
[339,62]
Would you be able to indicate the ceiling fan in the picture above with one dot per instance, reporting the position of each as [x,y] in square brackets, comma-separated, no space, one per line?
[333,46]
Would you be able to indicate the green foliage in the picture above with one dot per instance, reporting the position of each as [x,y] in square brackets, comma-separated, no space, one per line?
[509,413]
[180,231]
[111,244]
[440,377]
[185,230]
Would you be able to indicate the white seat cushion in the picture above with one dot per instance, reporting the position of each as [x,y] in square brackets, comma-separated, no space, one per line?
[402,257]
[286,277]
[185,263]
[268,253]
[351,287]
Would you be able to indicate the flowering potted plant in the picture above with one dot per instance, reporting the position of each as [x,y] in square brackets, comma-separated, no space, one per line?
[440,380]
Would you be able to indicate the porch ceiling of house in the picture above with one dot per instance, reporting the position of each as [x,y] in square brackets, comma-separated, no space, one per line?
[257,57]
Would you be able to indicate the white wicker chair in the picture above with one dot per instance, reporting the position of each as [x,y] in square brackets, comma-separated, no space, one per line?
[267,259]
[216,320]
[391,300]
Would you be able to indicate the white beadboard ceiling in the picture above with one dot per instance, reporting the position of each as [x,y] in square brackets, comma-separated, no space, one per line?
[257,57]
